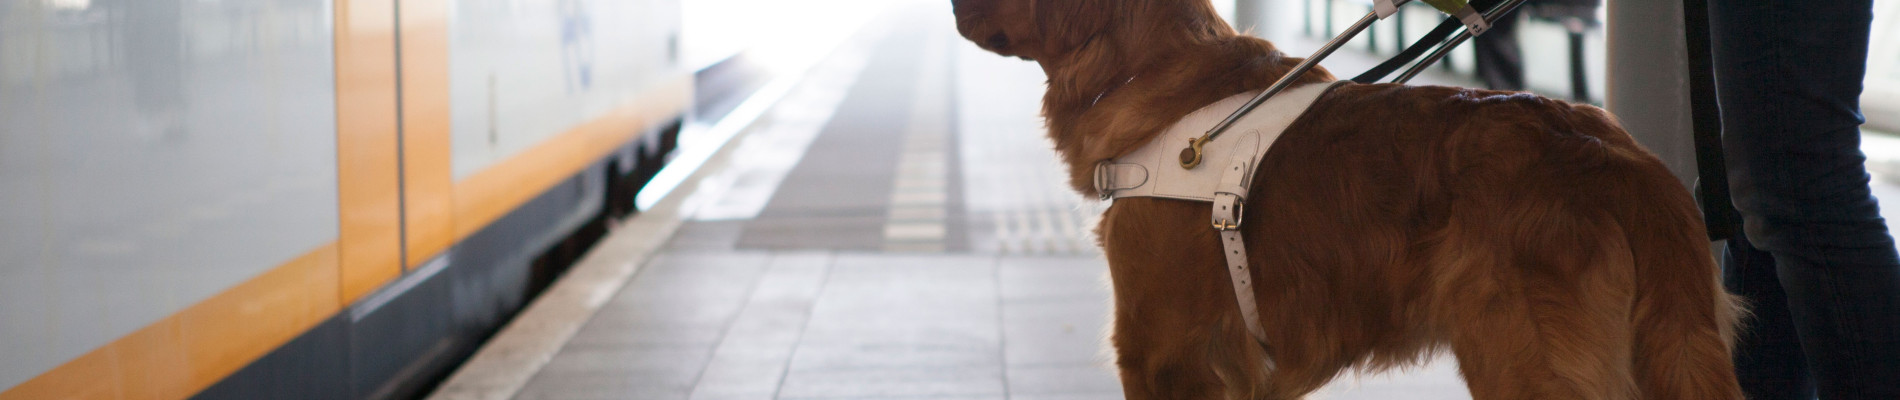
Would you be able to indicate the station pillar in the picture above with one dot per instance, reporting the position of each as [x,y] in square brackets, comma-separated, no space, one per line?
[1648,74]
[1270,19]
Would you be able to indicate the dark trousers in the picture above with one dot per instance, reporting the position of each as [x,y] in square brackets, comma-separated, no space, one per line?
[1816,261]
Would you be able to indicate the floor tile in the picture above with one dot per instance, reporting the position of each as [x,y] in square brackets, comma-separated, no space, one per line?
[1056,332]
[1063,379]
[894,382]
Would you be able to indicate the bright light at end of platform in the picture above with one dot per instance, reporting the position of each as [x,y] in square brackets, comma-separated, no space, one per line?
[787,38]
[70,4]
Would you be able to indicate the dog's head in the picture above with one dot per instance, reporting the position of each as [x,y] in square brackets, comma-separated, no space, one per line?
[1031,29]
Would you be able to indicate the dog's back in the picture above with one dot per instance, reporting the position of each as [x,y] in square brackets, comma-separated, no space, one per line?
[1513,198]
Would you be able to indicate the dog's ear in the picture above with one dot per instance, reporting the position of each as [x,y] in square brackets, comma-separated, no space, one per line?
[1006,27]
[1031,29]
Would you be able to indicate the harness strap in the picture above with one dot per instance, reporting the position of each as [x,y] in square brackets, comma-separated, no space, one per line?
[1229,197]
[1111,177]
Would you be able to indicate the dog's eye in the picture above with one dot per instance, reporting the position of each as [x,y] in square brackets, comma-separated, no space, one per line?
[998,41]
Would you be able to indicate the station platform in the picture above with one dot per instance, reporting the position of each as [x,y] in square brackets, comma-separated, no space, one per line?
[894,226]
[890,224]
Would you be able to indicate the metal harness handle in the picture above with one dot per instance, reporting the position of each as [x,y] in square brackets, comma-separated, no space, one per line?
[1475,24]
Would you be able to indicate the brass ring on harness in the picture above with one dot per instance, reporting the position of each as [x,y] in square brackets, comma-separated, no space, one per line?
[1191,156]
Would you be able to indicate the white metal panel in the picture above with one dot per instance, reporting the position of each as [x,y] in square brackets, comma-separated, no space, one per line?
[523,71]
[153,153]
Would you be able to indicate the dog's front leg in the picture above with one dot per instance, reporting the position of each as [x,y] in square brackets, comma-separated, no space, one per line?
[1176,331]
[1162,360]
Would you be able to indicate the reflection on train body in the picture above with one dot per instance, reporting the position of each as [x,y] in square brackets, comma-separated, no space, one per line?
[337,198]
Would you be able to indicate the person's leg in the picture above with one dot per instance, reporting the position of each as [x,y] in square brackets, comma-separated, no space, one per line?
[1498,63]
[1768,359]
[1789,78]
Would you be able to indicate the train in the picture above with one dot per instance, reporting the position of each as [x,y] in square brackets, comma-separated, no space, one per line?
[321,199]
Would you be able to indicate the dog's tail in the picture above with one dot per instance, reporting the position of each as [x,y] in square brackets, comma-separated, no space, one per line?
[1684,322]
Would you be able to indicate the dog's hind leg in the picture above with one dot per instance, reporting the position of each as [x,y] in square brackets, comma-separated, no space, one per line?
[1526,346]
[1684,321]
[1543,314]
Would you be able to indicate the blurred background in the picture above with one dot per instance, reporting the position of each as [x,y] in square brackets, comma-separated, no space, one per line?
[703,199]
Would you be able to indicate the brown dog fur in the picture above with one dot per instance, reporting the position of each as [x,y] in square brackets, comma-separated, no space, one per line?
[1533,239]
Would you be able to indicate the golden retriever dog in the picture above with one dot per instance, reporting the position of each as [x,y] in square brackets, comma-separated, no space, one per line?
[1534,240]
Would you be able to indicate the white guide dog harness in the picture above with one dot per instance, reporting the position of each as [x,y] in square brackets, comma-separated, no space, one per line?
[1154,171]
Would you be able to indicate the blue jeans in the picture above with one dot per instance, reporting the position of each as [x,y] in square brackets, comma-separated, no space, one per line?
[1816,261]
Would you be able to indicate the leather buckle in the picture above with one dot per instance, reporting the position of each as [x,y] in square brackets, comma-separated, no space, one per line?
[1104,179]
[1232,222]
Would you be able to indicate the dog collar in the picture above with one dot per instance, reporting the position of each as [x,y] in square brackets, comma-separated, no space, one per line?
[1150,171]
